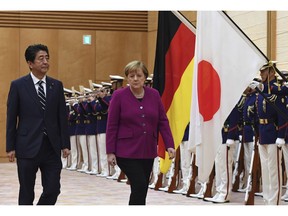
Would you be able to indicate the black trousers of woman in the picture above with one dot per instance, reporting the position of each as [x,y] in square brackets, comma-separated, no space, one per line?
[138,173]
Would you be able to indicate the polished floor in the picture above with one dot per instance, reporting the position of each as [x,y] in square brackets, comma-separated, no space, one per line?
[80,189]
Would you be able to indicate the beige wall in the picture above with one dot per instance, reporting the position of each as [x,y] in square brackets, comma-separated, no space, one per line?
[282,40]
[9,63]
[115,49]
[254,25]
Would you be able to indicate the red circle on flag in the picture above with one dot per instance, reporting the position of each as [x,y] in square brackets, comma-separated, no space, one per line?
[209,90]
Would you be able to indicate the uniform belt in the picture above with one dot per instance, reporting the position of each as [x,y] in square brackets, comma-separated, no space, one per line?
[266,121]
[87,122]
[99,117]
[77,121]
[247,123]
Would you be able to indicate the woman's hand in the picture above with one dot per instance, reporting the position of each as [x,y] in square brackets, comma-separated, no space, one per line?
[171,153]
[111,159]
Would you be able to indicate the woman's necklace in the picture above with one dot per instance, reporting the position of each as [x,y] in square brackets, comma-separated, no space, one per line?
[141,95]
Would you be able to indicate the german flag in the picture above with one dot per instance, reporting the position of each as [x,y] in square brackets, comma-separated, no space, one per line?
[172,76]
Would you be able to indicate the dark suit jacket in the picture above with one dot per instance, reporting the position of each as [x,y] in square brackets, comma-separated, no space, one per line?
[26,120]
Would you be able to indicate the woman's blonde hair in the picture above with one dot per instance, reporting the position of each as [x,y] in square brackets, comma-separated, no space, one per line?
[133,66]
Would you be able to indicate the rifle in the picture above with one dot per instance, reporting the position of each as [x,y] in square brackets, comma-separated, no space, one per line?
[208,192]
[253,178]
[239,167]
[159,181]
[280,74]
[121,176]
[194,169]
[175,180]
[284,174]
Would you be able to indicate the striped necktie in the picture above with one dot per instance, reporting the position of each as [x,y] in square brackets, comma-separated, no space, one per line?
[41,94]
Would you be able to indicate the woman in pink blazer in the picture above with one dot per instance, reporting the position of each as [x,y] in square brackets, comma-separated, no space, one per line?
[135,117]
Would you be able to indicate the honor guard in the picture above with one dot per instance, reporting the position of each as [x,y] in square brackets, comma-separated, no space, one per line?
[81,137]
[185,163]
[249,120]
[90,131]
[285,157]
[272,128]
[284,92]
[168,177]
[100,110]
[281,91]
[73,140]
[116,83]
[72,132]
[224,158]
[66,161]
[155,172]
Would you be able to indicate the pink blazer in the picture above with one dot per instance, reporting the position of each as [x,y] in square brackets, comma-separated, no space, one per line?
[133,125]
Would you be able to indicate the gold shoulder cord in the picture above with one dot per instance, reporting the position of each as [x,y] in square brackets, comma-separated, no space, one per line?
[241,102]
[264,106]
[250,110]
[256,104]
[277,81]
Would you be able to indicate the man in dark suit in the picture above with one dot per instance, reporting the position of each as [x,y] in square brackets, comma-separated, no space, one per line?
[37,128]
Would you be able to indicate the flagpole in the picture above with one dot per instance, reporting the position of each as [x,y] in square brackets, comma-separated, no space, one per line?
[277,70]
[239,29]
[187,22]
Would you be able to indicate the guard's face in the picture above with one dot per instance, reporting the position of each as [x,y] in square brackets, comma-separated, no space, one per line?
[267,74]
[40,66]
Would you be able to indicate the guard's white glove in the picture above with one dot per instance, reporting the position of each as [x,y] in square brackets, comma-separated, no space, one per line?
[285,84]
[280,142]
[74,102]
[230,142]
[255,84]
[192,150]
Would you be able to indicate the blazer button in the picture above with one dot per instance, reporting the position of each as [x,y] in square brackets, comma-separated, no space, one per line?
[141,107]
[144,132]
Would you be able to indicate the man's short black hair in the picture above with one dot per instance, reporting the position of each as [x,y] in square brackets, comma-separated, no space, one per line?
[32,50]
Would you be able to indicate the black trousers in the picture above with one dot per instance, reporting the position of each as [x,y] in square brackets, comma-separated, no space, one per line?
[138,173]
[50,166]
